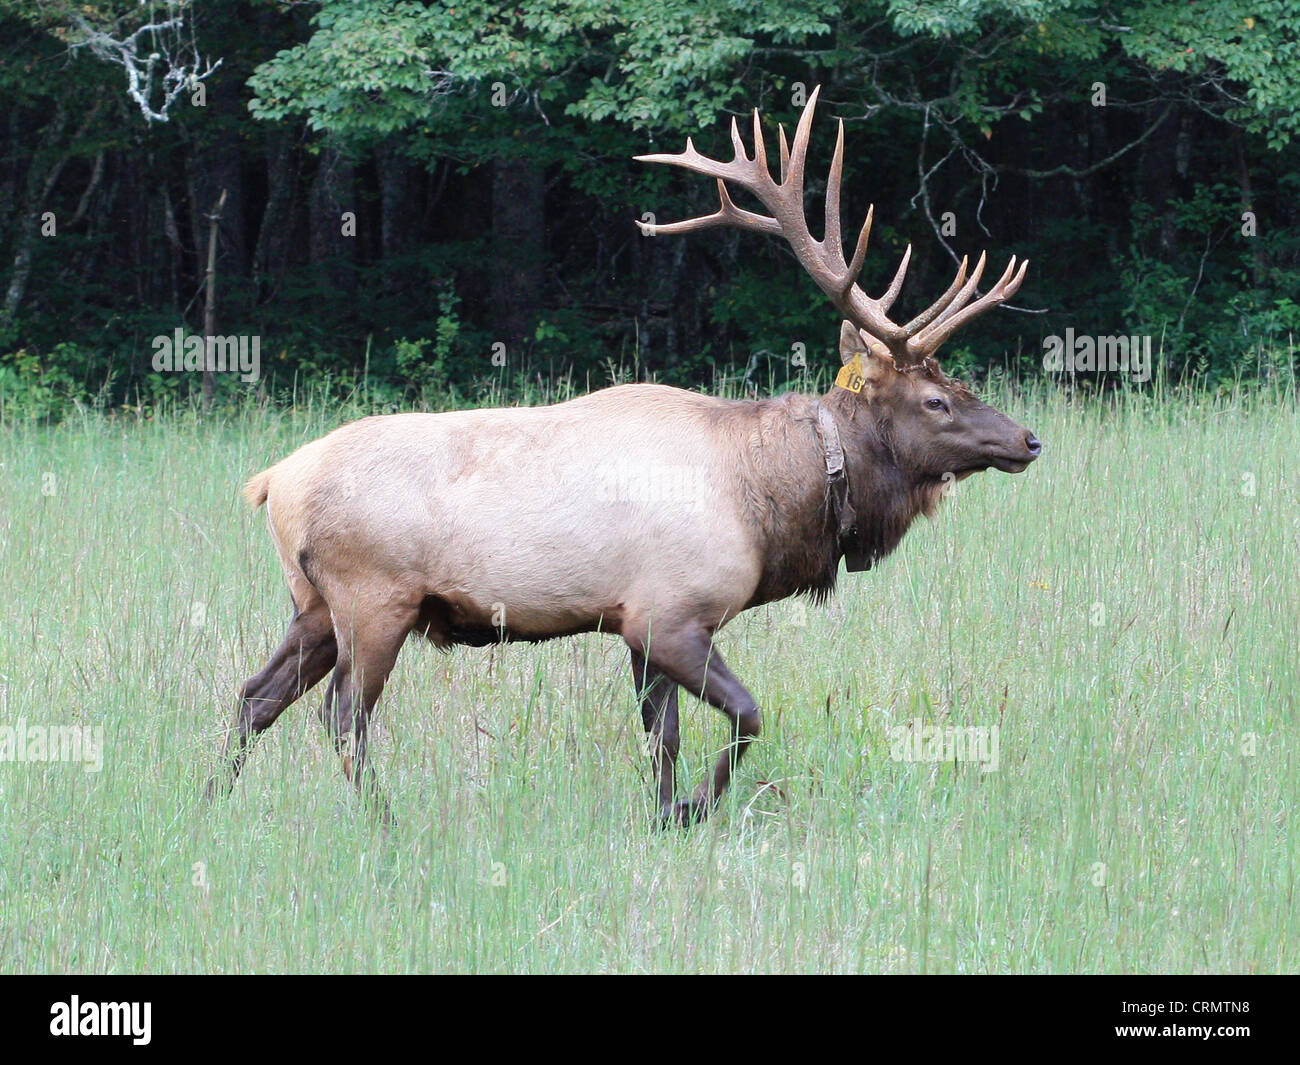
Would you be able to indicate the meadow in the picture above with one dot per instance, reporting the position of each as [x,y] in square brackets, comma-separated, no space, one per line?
[1124,614]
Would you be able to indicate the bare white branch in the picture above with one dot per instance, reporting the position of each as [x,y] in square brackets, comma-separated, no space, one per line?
[161,59]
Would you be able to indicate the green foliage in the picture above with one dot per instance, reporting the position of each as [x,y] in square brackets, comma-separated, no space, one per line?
[364,68]
[1203,308]
[374,66]
[425,362]
[26,390]
[947,18]
[983,97]
[1256,47]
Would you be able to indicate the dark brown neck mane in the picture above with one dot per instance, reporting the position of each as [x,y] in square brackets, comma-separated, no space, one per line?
[790,504]
[885,499]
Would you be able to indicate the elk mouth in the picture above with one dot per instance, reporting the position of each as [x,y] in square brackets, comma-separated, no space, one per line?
[1010,465]
[1005,463]
[1019,462]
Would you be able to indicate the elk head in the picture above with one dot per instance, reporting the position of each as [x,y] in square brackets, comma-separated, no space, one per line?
[933,427]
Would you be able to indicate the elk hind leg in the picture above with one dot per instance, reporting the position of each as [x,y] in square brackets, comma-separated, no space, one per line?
[298,665]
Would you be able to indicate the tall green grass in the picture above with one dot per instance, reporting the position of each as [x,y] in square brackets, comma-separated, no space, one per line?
[1125,613]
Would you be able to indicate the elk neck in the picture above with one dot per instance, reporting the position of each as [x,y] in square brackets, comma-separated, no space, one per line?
[784,497]
[881,498]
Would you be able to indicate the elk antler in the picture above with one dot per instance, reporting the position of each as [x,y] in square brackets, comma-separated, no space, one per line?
[908,344]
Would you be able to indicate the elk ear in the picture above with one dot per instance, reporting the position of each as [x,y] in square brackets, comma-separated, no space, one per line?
[875,358]
[874,364]
[850,342]
[854,341]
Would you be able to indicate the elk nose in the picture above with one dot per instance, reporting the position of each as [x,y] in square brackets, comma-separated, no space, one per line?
[1034,445]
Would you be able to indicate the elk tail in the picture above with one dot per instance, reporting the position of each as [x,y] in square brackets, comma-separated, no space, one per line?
[255,491]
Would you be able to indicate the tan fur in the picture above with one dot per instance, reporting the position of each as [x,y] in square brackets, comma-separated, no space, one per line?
[506,510]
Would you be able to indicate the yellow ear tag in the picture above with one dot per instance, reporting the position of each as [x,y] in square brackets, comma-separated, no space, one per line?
[850,375]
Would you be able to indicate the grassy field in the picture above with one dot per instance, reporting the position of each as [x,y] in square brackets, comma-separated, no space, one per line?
[1124,613]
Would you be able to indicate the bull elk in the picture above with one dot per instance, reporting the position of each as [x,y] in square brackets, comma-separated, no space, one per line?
[474,527]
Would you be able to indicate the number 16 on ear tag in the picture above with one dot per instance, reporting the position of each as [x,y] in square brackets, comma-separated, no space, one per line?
[850,375]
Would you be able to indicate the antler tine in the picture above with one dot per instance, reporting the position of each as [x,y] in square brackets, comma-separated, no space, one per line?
[728,214]
[929,339]
[942,303]
[785,152]
[1014,286]
[761,174]
[799,151]
[967,290]
[739,169]
[737,145]
[691,159]
[896,286]
[860,249]
[833,179]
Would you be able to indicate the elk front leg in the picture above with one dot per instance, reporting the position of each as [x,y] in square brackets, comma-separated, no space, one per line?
[346,717]
[689,658]
[368,641]
[658,697]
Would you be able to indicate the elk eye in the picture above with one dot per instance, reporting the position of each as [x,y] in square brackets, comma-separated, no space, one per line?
[936,403]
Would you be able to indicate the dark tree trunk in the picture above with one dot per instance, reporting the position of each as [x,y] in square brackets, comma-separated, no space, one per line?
[216,161]
[1157,174]
[275,232]
[42,173]
[10,167]
[1246,193]
[210,301]
[518,229]
[395,210]
[332,251]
